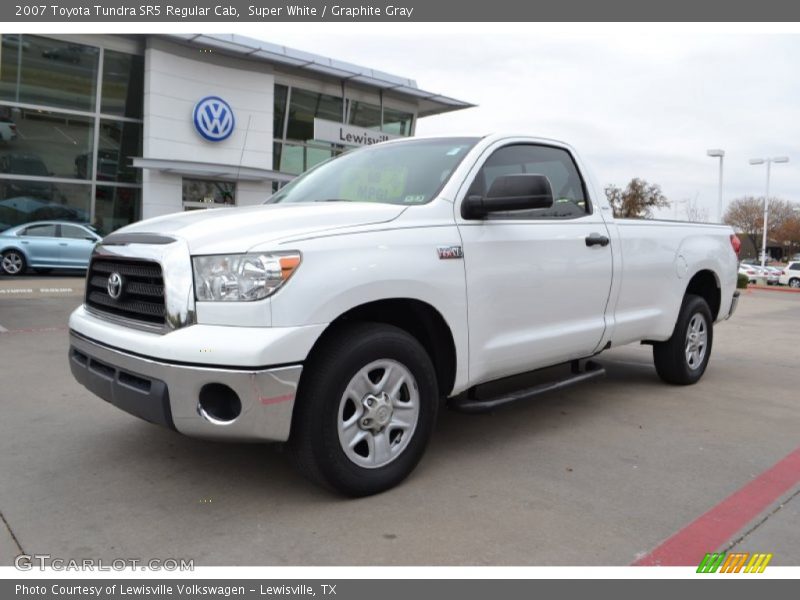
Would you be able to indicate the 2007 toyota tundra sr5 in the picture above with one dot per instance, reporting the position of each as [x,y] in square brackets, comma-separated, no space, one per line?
[337,315]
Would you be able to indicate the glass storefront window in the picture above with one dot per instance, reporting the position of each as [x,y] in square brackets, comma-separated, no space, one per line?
[47,144]
[279,110]
[39,70]
[208,193]
[291,159]
[115,207]
[364,114]
[123,84]
[119,141]
[397,122]
[304,106]
[294,158]
[23,201]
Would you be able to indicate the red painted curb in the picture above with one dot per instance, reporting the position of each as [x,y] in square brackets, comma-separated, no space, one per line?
[715,528]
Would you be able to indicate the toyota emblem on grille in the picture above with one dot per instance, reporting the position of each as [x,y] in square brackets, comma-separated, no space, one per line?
[114,285]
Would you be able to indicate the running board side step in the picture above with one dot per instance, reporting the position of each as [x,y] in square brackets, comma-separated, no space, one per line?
[469,404]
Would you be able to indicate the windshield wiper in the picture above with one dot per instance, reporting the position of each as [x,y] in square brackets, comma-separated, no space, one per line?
[334,200]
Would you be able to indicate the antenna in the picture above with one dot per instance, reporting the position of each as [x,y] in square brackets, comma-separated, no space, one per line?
[244,145]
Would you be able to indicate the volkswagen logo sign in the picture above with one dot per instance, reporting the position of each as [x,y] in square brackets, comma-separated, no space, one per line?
[213,118]
[114,285]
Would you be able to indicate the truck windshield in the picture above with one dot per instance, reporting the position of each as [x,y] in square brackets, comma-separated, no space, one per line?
[405,173]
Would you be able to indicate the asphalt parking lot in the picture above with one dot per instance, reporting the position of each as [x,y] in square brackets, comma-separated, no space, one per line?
[599,474]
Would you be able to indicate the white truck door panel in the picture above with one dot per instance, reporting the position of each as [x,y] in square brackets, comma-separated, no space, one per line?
[536,292]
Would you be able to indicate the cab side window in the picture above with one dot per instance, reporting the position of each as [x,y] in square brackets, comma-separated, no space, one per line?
[40,231]
[569,196]
[70,231]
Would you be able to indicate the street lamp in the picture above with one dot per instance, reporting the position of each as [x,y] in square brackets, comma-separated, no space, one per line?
[717,153]
[768,161]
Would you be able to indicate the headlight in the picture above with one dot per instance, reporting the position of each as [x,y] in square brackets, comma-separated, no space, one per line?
[242,277]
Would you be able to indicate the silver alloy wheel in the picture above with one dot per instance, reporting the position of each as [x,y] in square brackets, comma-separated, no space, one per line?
[795,283]
[378,413]
[12,263]
[696,341]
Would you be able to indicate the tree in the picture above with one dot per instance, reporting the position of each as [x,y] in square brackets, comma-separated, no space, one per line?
[788,233]
[695,213]
[747,216]
[637,200]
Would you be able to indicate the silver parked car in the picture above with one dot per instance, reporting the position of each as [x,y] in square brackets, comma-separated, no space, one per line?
[46,245]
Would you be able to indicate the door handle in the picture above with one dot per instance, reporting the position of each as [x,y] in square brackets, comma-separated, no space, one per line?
[596,239]
[63,244]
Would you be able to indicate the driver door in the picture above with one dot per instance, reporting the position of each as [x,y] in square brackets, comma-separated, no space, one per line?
[536,290]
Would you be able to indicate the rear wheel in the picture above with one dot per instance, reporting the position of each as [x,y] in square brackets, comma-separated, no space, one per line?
[794,282]
[13,262]
[683,358]
[365,409]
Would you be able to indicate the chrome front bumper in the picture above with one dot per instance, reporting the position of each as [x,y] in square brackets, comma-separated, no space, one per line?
[168,394]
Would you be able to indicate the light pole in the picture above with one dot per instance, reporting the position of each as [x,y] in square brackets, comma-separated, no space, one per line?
[768,161]
[717,153]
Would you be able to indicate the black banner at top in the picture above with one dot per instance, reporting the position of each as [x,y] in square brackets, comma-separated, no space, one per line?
[233,11]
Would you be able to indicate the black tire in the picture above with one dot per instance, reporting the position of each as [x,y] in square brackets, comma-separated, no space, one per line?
[314,442]
[794,282]
[13,257]
[670,357]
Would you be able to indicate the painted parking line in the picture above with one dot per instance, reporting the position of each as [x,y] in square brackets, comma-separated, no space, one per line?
[4,331]
[717,527]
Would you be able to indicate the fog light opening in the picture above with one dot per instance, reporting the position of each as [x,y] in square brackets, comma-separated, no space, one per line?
[219,404]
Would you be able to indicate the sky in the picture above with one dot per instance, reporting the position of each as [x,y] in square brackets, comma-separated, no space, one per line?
[633,102]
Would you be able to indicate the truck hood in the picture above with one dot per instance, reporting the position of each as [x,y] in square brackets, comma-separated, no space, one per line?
[234,230]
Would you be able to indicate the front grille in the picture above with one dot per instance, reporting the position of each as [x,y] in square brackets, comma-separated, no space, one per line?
[142,297]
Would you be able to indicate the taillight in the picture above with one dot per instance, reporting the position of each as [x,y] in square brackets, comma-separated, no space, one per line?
[736,243]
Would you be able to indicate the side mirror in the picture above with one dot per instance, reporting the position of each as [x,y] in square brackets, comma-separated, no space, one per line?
[523,191]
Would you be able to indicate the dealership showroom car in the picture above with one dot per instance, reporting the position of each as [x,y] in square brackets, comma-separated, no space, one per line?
[46,245]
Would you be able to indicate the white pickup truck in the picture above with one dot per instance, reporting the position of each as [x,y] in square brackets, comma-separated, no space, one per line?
[338,315]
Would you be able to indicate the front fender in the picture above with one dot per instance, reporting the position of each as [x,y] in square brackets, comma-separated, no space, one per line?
[339,273]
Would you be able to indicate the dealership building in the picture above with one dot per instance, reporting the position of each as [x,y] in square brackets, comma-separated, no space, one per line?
[110,129]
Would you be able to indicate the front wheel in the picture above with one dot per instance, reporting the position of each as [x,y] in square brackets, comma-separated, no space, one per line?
[365,409]
[13,262]
[683,358]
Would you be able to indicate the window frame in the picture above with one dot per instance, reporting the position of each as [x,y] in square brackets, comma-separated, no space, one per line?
[85,236]
[56,230]
[510,216]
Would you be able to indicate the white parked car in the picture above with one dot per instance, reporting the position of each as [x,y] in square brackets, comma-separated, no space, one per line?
[791,275]
[773,274]
[752,271]
[769,274]
[336,316]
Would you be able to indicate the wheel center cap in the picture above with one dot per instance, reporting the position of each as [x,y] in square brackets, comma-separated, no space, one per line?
[377,411]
